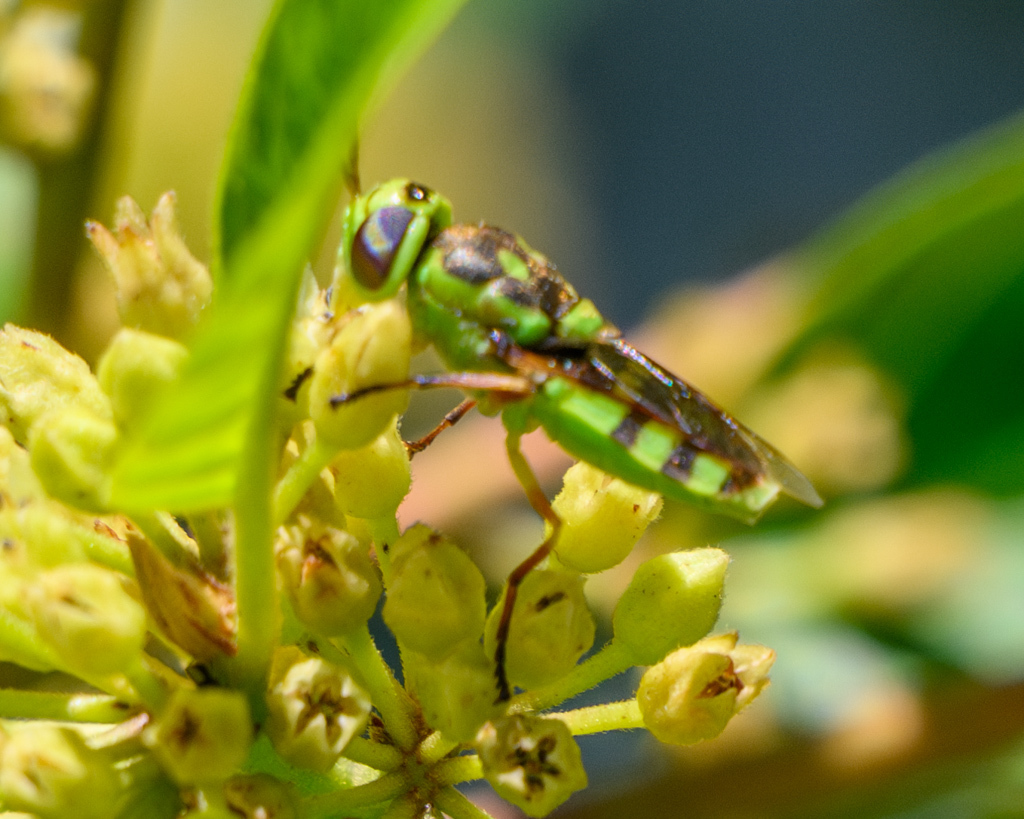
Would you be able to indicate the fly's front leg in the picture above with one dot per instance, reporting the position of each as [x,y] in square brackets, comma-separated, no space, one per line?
[539,501]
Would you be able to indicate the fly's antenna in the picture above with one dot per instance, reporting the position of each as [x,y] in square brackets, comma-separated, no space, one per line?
[352,171]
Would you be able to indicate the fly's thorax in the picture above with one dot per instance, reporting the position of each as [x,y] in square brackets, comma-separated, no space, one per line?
[492,277]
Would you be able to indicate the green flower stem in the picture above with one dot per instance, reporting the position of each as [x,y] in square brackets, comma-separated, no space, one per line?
[435,748]
[19,643]
[373,754]
[97,708]
[613,659]
[458,769]
[387,695]
[299,477]
[457,806]
[350,800]
[210,540]
[150,688]
[109,552]
[384,532]
[612,716]
[154,525]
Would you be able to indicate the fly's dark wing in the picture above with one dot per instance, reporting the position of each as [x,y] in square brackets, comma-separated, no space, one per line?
[617,368]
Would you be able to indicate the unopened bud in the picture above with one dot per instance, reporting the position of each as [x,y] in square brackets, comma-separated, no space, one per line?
[371,482]
[132,370]
[551,628]
[50,773]
[672,601]
[87,618]
[458,693]
[310,332]
[161,287]
[315,709]
[46,89]
[373,348]
[38,376]
[532,762]
[693,693]
[203,735]
[602,518]
[330,579]
[193,609]
[435,598]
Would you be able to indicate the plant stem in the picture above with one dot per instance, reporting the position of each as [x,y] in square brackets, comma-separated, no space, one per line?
[611,660]
[299,477]
[457,806]
[386,694]
[156,527]
[373,754]
[97,708]
[255,574]
[342,802]
[21,644]
[458,769]
[435,748]
[612,716]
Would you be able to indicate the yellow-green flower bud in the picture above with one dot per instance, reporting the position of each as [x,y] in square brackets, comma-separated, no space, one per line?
[203,735]
[602,518]
[372,348]
[192,608]
[134,367]
[371,482]
[85,615]
[330,579]
[310,332]
[532,762]
[551,628]
[457,694]
[72,453]
[49,772]
[315,709]
[161,287]
[693,693]
[260,796]
[18,482]
[672,601]
[38,376]
[435,598]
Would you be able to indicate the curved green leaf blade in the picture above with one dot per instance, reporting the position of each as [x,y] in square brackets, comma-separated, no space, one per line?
[320,63]
[926,276]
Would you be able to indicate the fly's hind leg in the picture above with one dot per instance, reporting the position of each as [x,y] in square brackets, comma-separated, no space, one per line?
[539,501]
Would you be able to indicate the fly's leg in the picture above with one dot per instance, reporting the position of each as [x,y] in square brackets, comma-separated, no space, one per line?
[539,501]
[450,420]
[515,386]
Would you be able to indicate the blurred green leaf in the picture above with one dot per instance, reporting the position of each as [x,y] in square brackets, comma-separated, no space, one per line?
[18,193]
[319,65]
[926,276]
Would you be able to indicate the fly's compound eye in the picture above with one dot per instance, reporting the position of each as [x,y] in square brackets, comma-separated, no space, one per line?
[376,242]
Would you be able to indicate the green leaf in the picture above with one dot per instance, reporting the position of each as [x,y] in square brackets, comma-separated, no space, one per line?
[926,276]
[319,65]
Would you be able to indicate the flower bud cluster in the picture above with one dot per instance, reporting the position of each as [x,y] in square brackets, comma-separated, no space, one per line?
[148,610]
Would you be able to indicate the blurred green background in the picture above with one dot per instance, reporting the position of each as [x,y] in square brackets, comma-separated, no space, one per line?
[841,186]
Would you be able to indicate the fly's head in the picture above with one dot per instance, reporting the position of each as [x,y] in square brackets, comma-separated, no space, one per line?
[385,230]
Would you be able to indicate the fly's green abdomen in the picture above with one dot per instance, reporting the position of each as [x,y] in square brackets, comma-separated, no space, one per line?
[613,436]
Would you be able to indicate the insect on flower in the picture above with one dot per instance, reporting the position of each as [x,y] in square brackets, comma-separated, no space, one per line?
[518,339]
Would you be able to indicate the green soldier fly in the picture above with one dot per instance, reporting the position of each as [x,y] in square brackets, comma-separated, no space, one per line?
[518,339]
